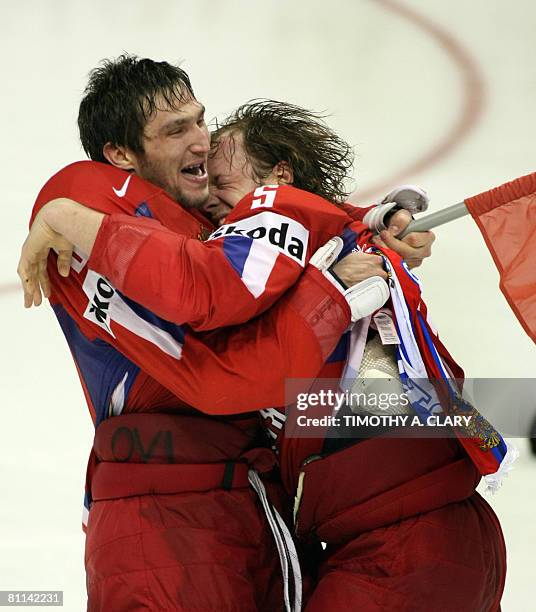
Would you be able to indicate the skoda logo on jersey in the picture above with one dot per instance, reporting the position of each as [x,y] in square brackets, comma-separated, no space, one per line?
[100,300]
[106,304]
[100,293]
[281,233]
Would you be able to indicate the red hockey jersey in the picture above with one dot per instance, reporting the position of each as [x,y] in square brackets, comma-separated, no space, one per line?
[245,265]
[129,359]
[241,270]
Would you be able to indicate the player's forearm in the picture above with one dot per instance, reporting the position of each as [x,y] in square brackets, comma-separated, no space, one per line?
[178,278]
[78,224]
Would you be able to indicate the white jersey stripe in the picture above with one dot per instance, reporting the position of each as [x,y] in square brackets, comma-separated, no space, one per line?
[258,267]
[106,305]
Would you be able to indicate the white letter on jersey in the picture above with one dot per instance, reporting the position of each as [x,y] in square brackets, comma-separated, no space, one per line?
[265,196]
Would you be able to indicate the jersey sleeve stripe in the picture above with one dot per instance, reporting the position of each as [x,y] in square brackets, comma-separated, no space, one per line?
[236,249]
[258,267]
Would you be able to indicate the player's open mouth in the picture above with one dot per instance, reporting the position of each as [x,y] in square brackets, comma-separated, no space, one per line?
[196,172]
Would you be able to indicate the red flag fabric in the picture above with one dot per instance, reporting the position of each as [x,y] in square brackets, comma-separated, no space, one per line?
[506,217]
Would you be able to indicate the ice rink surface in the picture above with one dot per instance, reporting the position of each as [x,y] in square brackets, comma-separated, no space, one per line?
[442,94]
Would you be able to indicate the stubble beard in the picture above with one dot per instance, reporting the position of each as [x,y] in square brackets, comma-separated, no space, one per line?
[186,201]
[152,172]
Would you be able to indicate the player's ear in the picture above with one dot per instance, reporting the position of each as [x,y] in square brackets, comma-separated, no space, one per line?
[120,157]
[284,173]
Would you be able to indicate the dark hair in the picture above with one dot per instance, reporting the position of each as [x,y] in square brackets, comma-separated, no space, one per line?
[121,95]
[276,131]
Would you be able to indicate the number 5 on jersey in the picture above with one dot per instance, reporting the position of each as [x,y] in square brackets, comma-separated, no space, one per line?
[264,196]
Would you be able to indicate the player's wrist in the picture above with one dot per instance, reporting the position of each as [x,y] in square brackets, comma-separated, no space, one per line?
[338,278]
[406,197]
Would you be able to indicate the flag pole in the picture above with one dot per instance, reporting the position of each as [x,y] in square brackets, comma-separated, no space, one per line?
[438,218]
[506,218]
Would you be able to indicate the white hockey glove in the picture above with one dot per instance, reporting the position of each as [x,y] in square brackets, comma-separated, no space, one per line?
[363,298]
[410,197]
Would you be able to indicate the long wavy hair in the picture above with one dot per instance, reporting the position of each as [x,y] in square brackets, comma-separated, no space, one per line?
[275,131]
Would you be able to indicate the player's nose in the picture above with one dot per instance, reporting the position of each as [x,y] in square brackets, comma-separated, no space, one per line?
[214,208]
[212,205]
[200,143]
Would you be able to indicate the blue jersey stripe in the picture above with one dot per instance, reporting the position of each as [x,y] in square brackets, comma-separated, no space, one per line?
[236,249]
[143,210]
[349,239]
[340,352]
[101,365]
